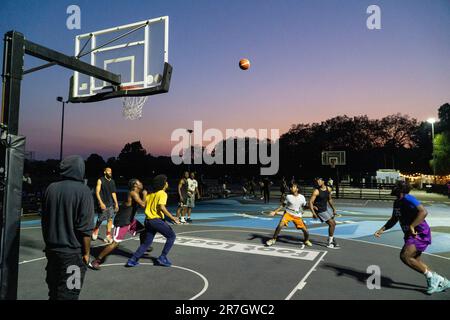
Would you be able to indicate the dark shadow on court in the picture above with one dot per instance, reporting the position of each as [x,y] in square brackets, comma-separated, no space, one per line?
[282,238]
[362,277]
[95,251]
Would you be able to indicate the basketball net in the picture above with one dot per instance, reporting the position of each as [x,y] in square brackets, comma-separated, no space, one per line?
[132,107]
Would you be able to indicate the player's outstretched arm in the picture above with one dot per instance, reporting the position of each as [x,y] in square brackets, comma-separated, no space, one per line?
[168,214]
[389,224]
[275,212]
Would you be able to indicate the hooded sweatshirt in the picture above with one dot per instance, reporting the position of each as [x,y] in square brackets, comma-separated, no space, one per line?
[68,210]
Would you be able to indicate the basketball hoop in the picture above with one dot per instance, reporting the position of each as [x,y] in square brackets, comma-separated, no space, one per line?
[132,106]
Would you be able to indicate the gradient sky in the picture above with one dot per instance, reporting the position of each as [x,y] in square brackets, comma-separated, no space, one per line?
[311,60]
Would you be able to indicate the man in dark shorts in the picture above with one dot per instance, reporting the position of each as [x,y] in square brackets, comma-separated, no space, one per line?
[182,197]
[417,235]
[318,203]
[106,196]
[67,223]
[125,221]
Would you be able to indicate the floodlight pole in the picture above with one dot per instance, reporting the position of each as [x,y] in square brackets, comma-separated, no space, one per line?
[12,146]
[337,182]
[190,148]
[434,155]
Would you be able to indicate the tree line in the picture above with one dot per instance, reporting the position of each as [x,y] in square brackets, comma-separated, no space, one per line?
[395,141]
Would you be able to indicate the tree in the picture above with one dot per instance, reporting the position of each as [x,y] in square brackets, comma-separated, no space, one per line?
[94,166]
[444,117]
[441,154]
[132,161]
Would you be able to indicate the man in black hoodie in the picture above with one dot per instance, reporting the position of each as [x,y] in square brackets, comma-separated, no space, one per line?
[67,224]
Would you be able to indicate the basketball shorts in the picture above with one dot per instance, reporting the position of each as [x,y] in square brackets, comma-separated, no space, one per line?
[298,221]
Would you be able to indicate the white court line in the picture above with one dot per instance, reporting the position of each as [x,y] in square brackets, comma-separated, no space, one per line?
[28,228]
[100,245]
[302,282]
[33,260]
[205,280]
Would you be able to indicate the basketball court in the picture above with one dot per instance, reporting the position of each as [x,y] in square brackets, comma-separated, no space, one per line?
[222,256]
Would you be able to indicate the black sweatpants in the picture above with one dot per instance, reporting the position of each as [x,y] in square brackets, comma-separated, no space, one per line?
[65,275]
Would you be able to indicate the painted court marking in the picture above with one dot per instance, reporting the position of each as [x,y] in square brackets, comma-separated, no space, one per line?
[232,246]
[303,282]
[205,281]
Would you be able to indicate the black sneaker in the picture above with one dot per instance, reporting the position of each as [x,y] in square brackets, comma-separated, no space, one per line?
[188,220]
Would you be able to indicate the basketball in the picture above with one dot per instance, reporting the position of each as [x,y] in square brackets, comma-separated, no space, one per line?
[244,64]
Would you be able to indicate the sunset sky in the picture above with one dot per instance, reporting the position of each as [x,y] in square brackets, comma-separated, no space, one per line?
[311,60]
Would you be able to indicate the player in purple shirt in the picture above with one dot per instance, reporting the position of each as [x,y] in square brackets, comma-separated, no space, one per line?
[411,215]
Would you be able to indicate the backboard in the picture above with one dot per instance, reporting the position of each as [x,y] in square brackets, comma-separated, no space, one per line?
[333,158]
[138,52]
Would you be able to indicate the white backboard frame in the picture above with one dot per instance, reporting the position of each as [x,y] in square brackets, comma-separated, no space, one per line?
[145,43]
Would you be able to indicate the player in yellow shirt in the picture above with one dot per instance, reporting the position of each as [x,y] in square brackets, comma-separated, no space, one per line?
[156,212]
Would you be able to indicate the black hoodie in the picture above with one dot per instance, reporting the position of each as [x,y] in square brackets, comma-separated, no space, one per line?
[68,209]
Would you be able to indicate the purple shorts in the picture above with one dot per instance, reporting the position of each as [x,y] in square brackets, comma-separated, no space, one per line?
[422,239]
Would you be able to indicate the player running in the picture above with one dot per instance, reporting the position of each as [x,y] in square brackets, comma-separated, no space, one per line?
[125,221]
[318,202]
[293,208]
[417,235]
[156,212]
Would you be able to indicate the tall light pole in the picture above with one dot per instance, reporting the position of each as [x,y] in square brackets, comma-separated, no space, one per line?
[432,121]
[61,99]
[190,148]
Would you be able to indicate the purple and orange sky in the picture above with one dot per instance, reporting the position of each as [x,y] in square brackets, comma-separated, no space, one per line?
[311,60]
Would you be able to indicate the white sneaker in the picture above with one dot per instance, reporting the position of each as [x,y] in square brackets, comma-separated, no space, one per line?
[270,242]
[108,240]
[182,220]
[330,245]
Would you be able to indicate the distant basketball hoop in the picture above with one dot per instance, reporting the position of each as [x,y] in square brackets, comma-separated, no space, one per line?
[333,158]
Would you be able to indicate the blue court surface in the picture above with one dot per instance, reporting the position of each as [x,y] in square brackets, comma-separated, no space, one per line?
[221,255]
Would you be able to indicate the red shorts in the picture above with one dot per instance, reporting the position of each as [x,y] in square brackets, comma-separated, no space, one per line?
[119,233]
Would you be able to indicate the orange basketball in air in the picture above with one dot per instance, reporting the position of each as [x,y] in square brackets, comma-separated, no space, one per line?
[244,64]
